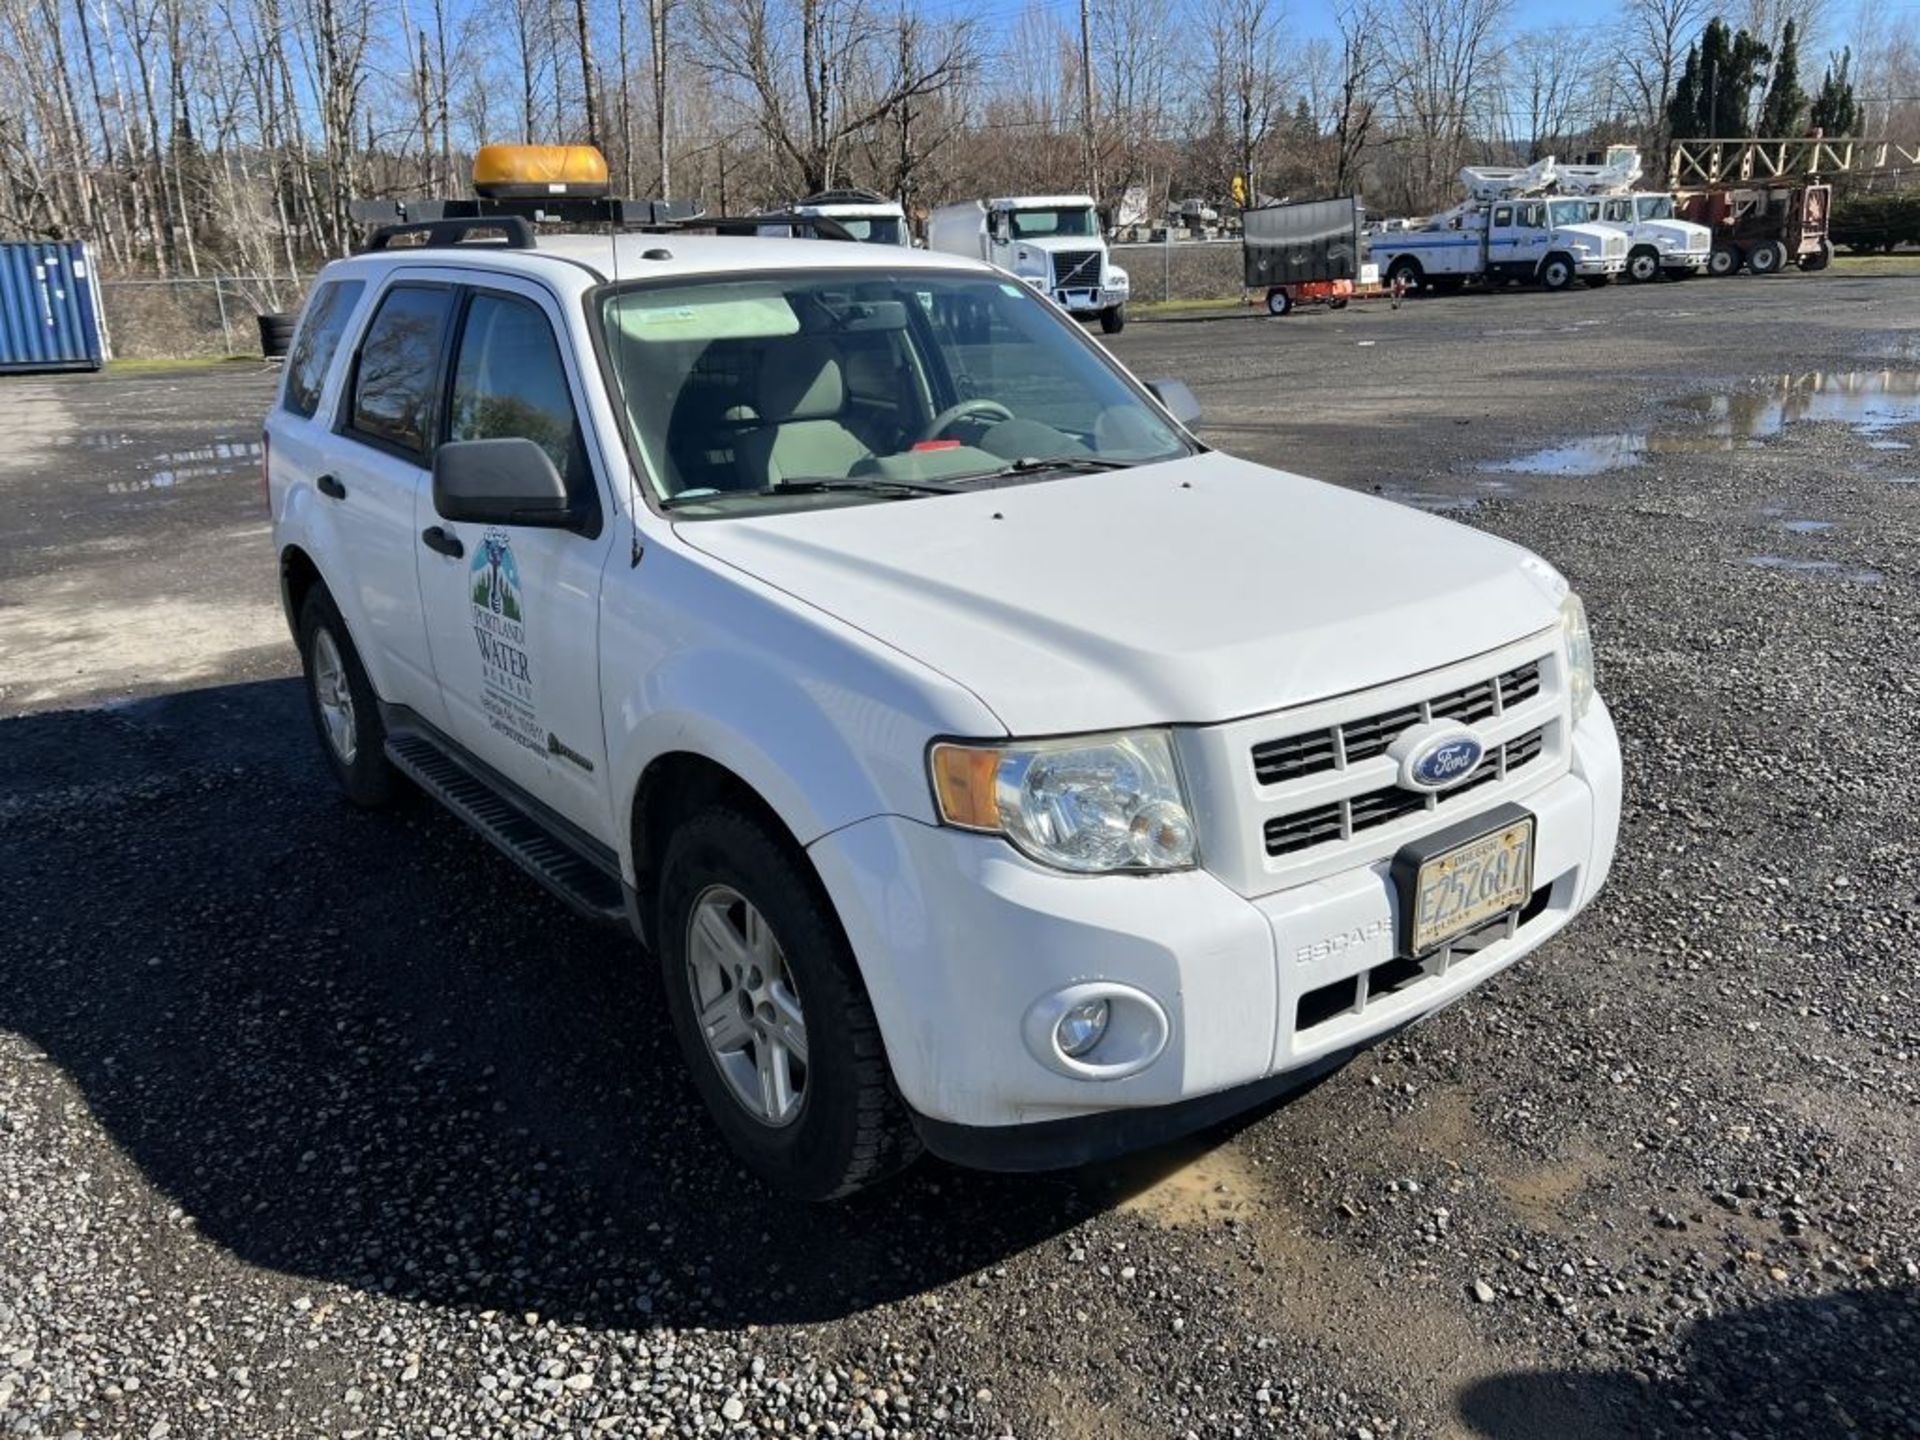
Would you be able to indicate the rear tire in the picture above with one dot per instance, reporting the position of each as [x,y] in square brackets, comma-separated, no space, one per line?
[790,962]
[1726,260]
[1407,275]
[345,711]
[1113,320]
[1820,259]
[1767,258]
[1279,302]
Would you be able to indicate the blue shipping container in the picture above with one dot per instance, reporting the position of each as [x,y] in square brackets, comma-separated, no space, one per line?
[49,308]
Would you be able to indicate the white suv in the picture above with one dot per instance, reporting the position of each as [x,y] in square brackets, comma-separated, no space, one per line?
[991,766]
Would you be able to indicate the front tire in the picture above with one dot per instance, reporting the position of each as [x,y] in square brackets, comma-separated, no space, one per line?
[767,1002]
[1819,259]
[345,711]
[1643,266]
[1113,320]
[1556,272]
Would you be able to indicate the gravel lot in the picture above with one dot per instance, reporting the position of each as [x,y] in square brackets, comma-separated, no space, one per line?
[320,1123]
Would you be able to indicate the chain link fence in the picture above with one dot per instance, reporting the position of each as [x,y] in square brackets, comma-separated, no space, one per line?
[199,317]
[1183,269]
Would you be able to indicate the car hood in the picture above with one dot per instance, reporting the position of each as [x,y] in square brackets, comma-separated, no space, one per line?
[1193,591]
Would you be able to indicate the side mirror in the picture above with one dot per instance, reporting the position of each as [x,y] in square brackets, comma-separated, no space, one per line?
[501,482]
[1178,400]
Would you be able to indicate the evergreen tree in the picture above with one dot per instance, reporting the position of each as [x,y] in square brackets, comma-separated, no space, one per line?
[1835,112]
[1785,107]
[1683,110]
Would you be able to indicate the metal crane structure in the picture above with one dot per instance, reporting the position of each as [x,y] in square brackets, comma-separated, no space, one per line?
[1766,200]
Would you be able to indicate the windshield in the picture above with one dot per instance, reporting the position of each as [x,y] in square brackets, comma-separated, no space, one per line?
[1568,212]
[874,229]
[1654,207]
[741,393]
[1038,224]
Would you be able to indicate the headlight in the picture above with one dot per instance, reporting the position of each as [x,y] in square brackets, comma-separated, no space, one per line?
[1091,804]
[1117,278]
[1573,621]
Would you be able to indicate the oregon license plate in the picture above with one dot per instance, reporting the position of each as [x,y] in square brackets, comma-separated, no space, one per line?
[1468,885]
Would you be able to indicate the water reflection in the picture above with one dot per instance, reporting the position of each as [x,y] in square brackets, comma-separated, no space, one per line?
[1869,401]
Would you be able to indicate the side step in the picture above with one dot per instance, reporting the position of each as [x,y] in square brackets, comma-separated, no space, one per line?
[585,884]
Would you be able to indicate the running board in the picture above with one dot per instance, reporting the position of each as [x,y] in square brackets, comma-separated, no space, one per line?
[582,882]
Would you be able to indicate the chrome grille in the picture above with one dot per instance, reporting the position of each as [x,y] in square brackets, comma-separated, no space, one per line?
[1319,750]
[1342,819]
[1076,270]
[1697,242]
[1616,245]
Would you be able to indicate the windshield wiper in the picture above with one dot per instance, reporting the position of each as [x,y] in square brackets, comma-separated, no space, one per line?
[1037,464]
[818,485]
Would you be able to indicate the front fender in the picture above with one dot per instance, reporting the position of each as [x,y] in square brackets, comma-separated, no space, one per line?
[827,725]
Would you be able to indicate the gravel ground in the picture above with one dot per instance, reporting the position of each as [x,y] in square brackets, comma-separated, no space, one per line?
[320,1123]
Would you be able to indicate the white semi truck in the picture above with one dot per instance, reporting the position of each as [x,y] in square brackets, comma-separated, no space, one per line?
[864,214]
[1658,242]
[1052,242]
[1510,228]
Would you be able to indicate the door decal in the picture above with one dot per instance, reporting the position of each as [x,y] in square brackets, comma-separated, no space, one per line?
[500,627]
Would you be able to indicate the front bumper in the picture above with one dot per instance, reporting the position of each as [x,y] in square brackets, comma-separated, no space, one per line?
[1089,302]
[1685,261]
[962,942]
[1586,265]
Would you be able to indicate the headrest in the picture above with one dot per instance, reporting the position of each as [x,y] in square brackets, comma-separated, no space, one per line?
[800,380]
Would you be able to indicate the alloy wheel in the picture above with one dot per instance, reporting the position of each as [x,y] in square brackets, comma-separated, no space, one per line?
[746,1005]
[334,696]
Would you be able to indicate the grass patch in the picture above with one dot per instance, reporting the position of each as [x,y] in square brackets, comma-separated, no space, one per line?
[1174,307]
[203,362]
[1908,264]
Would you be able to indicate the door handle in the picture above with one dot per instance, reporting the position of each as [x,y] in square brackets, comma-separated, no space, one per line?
[434,538]
[330,487]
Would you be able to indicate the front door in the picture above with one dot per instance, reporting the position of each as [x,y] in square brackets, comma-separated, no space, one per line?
[1517,238]
[514,617]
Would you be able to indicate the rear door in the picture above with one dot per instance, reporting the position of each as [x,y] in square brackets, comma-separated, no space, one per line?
[514,618]
[375,475]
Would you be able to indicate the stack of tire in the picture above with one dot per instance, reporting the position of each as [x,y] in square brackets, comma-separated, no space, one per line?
[276,334]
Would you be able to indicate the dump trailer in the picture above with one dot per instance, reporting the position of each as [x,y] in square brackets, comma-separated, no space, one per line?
[1314,252]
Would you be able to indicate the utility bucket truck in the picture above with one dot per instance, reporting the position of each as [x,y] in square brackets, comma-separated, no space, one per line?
[1509,229]
[1052,242]
[1658,241]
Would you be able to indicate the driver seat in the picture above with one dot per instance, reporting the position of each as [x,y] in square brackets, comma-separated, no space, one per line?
[801,395]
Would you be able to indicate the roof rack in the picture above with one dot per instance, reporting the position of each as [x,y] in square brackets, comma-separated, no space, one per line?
[850,196]
[460,221]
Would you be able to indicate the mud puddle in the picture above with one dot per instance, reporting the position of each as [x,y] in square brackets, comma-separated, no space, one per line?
[1868,401]
[1833,569]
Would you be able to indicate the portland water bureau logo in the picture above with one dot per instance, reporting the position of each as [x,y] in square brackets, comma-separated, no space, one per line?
[498,605]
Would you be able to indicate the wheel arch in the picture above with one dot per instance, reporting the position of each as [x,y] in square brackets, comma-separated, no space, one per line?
[675,785]
[299,574]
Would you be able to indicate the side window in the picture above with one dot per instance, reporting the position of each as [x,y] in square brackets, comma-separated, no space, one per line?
[320,332]
[1503,215]
[1533,216]
[398,369]
[509,382]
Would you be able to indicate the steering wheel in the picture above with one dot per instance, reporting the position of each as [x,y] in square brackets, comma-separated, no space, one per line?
[979,405]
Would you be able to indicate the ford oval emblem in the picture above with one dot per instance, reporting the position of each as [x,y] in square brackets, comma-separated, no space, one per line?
[1443,761]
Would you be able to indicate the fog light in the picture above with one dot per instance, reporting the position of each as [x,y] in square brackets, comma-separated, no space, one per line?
[1081,1027]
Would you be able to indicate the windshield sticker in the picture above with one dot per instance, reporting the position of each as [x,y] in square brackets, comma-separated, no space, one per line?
[500,627]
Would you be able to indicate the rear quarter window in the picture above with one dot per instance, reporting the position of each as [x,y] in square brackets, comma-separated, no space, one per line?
[328,311]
